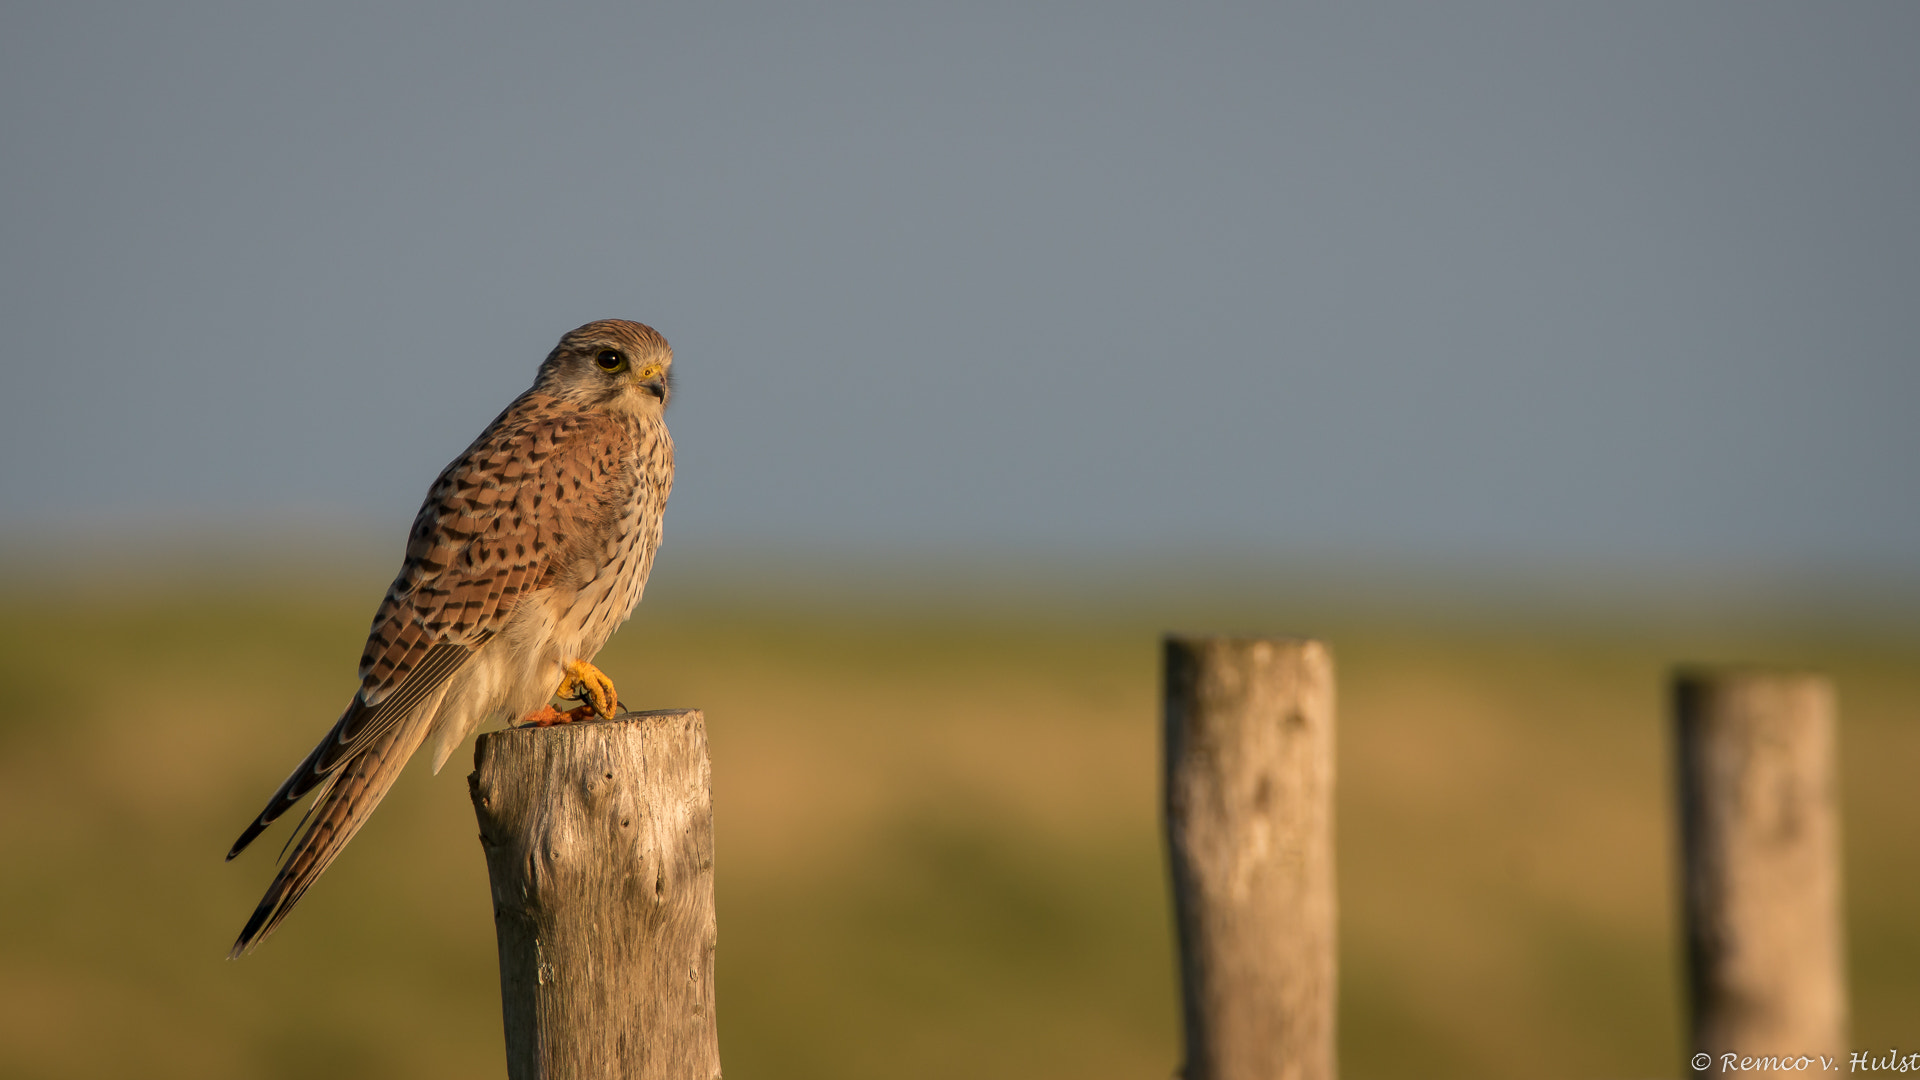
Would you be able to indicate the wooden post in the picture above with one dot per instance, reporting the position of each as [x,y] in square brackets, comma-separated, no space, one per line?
[1249,805]
[1760,836]
[599,844]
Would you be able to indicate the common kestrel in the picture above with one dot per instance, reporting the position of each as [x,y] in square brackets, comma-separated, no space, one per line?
[529,550]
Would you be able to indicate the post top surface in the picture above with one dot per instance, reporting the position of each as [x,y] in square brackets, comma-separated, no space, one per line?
[1716,673]
[1173,637]
[628,716]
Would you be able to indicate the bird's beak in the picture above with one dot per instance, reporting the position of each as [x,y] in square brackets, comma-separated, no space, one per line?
[652,379]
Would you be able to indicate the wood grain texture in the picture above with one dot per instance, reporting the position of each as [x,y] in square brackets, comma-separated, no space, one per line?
[1760,840]
[1249,814]
[599,845]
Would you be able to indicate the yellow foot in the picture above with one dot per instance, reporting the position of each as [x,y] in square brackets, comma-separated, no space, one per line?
[549,716]
[584,682]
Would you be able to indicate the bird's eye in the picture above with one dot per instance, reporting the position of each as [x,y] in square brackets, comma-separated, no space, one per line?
[611,359]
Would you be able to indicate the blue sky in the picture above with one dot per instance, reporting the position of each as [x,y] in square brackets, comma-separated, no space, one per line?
[1635,283]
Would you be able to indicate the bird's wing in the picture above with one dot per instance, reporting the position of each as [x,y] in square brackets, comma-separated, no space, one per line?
[503,520]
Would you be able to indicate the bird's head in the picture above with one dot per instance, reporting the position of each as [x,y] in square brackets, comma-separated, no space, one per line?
[612,363]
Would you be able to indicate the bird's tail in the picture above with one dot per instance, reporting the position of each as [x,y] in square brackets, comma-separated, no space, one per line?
[344,802]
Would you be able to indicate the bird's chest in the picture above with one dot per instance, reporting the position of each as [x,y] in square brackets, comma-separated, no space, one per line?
[612,578]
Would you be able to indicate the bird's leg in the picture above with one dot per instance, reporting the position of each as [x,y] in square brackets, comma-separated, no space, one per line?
[586,683]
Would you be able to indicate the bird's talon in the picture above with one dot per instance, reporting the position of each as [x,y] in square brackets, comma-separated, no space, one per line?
[585,683]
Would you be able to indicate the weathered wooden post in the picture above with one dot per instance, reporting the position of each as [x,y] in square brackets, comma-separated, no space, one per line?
[1760,840]
[599,844]
[1249,811]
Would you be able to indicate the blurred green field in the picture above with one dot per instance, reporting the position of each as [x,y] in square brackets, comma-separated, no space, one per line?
[938,851]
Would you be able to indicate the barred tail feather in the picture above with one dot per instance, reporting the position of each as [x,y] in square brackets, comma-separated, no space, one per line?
[304,778]
[423,690]
[345,800]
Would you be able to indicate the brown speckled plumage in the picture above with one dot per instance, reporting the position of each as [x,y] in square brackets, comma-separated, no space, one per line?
[531,547]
